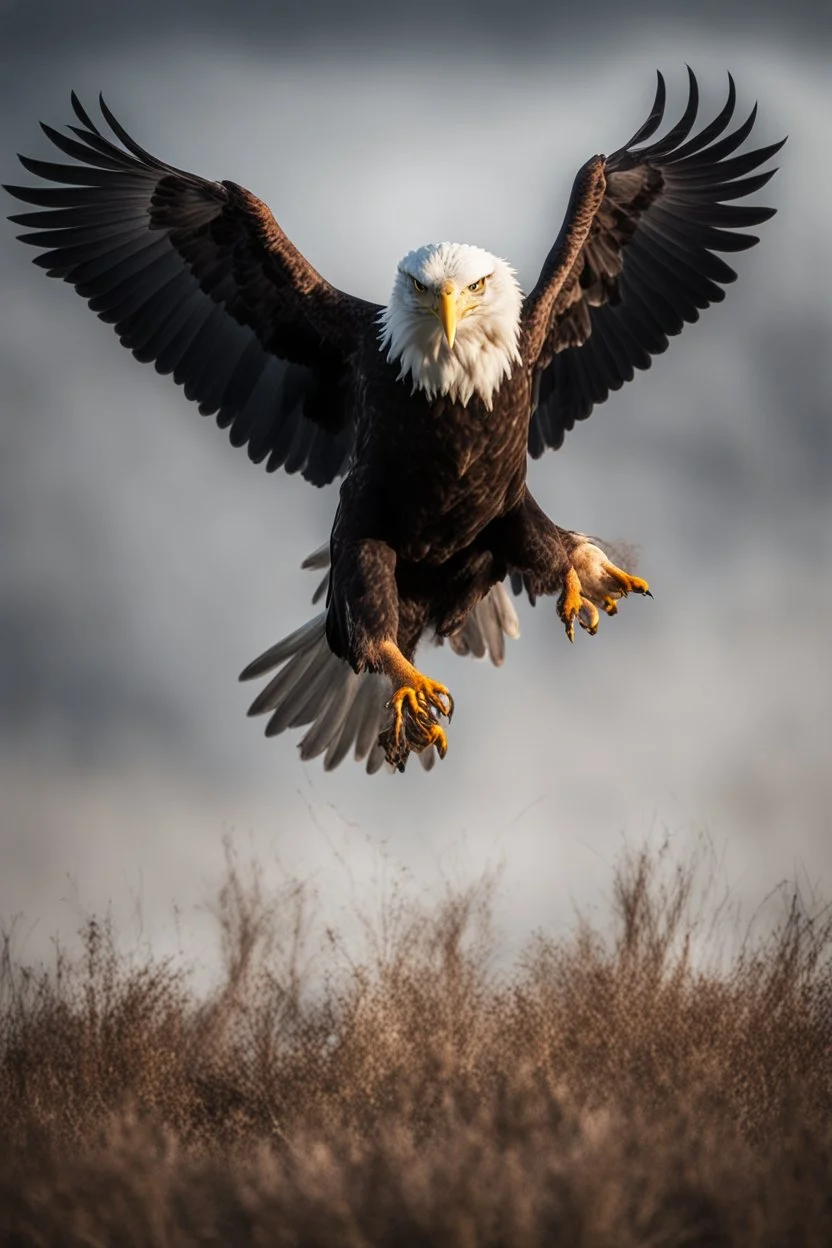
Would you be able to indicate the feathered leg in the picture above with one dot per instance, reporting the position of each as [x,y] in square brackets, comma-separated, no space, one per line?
[363,627]
[552,560]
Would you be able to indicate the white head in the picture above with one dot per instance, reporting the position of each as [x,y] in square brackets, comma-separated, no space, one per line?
[453,321]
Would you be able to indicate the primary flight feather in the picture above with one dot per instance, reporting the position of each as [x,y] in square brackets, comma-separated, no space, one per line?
[428,407]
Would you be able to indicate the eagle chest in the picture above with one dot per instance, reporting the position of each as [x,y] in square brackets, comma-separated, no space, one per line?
[473,444]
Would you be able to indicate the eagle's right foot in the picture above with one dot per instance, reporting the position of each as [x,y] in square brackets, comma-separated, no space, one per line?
[416,702]
[414,726]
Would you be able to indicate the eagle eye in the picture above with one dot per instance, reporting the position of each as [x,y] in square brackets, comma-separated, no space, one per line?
[477,287]
[417,285]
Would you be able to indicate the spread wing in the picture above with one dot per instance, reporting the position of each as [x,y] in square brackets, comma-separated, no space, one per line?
[635,259]
[198,277]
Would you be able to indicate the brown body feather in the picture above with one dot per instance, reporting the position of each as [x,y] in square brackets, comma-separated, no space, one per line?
[429,493]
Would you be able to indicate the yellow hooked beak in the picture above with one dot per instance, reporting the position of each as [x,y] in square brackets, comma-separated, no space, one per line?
[446,311]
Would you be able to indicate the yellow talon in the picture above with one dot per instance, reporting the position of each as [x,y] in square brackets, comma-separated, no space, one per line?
[628,584]
[610,604]
[399,698]
[589,617]
[570,601]
[436,737]
[415,703]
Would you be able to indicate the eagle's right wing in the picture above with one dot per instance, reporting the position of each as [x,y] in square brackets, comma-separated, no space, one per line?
[198,278]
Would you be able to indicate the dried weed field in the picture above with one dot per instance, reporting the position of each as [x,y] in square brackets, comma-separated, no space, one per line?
[612,1087]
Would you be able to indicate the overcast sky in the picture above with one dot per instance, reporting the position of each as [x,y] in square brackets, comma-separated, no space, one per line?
[143,562]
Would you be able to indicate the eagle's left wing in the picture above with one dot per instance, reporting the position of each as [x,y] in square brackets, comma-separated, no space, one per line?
[635,259]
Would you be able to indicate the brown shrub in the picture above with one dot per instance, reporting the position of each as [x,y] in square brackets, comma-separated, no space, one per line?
[612,1088]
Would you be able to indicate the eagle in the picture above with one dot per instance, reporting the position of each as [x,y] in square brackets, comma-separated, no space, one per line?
[428,407]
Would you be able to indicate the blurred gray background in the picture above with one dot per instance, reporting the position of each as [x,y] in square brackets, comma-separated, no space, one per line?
[143,562]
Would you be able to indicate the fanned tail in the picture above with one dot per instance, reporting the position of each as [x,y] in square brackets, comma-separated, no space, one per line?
[343,710]
[313,687]
[484,632]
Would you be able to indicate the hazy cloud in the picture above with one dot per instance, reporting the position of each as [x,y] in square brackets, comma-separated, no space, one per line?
[144,562]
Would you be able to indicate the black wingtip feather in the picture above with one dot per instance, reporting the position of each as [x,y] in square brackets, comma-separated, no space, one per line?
[684,125]
[711,131]
[82,115]
[121,134]
[655,116]
[669,270]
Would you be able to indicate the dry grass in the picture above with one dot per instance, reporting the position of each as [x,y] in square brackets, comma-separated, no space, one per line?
[607,1090]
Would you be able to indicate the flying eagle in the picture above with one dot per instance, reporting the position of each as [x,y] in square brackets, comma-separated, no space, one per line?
[428,407]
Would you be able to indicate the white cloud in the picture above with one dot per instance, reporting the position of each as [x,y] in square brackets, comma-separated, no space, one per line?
[152,562]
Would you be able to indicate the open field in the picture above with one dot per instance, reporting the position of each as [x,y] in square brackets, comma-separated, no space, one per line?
[615,1086]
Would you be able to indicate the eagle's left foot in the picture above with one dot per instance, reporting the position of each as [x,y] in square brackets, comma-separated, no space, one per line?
[593,581]
[625,584]
[573,605]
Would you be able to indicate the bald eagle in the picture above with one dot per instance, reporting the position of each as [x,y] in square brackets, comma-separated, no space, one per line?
[428,407]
